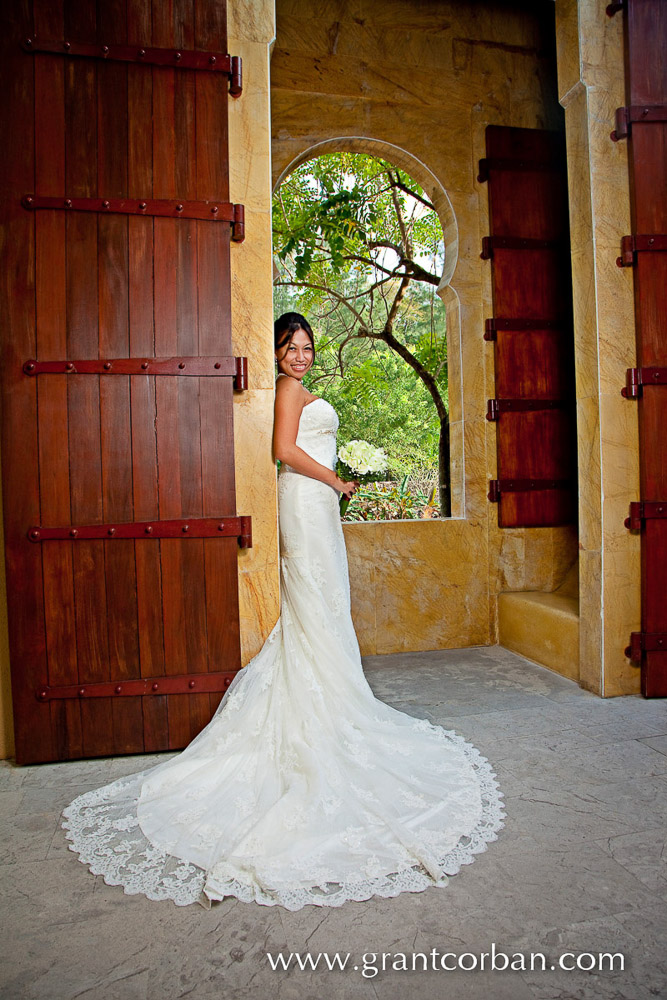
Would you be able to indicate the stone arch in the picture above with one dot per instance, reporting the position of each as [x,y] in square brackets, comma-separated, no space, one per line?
[430,184]
[406,161]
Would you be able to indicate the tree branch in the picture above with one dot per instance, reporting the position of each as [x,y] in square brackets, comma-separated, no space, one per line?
[416,366]
[398,298]
[378,267]
[373,245]
[407,246]
[416,270]
[419,273]
[329,291]
[413,194]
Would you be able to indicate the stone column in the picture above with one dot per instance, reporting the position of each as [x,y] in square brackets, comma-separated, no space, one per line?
[251,30]
[591,87]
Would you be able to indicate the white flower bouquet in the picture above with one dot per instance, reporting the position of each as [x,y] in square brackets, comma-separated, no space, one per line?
[360,461]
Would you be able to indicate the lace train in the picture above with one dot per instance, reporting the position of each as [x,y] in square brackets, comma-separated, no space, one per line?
[104,830]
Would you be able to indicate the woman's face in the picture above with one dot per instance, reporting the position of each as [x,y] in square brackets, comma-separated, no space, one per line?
[296,356]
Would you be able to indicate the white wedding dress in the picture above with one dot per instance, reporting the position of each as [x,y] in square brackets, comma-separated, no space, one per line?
[303,788]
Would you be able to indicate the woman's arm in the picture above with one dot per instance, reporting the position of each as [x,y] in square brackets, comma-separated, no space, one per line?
[288,407]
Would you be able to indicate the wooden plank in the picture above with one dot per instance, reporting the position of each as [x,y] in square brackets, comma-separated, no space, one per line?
[214,307]
[646,31]
[531,364]
[142,390]
[187,320]
[543,201]
[84,390]
[167,394]
[20,474]
[654,587]
[189,443]
[535,445]
[116,447]
[51,340]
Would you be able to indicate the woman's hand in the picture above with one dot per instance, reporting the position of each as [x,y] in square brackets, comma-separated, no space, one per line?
[348,489]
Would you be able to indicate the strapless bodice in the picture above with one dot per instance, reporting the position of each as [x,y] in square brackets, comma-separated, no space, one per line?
[318,425]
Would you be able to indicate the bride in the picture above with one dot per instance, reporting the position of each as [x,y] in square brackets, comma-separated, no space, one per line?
[304,788]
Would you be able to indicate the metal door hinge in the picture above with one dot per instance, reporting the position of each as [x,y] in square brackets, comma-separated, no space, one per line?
[637,378]
[237,526]
[491,243]
[642,510]
[506,163]
[203,211]
[491,326]
[212,62]
[645,642]
[197,366]
[201,683]
[639,243]
[613,8]
[500,486]
[626,117]
[497,406]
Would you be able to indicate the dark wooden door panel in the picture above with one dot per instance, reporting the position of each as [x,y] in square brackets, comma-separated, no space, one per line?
[530,365]
[646,44]
[87,449]
[531,327]
[528,284]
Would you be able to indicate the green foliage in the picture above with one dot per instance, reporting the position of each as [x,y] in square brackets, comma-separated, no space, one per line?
[334,215]
[342,222]
[380,400]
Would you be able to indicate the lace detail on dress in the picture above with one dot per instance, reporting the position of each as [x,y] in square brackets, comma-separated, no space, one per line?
[304,788]
[132,862]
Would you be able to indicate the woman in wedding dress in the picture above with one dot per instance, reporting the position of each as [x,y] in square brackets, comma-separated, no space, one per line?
[304,788]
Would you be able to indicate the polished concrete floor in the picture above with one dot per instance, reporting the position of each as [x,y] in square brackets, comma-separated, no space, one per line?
[578,870]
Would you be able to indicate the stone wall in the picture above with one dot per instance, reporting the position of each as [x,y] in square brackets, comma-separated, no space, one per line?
[251,30]
[419,82]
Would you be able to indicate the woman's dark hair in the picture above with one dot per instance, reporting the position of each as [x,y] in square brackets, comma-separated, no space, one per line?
[288,324]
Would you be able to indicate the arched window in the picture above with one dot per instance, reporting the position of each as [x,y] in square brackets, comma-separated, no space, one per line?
[360,249]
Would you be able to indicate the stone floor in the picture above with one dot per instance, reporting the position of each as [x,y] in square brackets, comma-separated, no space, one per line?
[579,867]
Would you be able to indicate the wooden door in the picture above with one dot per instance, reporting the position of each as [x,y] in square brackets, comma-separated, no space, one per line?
[118,486]
[644,123]
[531,328]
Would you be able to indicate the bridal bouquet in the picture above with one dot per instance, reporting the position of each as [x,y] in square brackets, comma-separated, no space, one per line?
[361,461]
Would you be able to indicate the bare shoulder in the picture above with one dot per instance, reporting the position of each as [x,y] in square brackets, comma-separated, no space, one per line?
[289,390]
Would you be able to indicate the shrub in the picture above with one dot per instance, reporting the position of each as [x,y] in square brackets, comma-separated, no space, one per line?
[392,501]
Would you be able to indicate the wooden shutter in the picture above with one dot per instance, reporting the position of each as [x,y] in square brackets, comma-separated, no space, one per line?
[644,123]
[118,473]
[531,327]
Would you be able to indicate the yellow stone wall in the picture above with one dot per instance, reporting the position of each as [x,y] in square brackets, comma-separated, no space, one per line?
[251,31]
[418,83]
